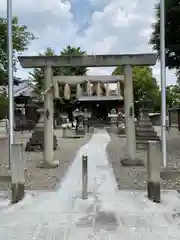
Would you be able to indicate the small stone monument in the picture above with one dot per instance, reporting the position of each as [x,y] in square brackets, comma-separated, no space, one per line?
[36,142]
[144,129]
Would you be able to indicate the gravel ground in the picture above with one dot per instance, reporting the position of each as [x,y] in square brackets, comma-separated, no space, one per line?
[135,177]
[42,179]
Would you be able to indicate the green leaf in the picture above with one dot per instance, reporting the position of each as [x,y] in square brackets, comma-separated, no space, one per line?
[172,33]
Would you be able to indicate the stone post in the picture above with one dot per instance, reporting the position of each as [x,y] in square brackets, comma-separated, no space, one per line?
[84,177]
[48,120]
[18,179]
[153,170]
[129,113]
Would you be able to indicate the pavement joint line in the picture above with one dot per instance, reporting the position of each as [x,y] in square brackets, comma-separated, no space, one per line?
[69,225]
[94,210]
[37,232]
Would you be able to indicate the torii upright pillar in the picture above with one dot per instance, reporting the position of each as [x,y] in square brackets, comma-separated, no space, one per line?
[48,121]
[129,118]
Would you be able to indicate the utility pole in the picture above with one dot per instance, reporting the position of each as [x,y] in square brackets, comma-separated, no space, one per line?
[163,81]
[10,78]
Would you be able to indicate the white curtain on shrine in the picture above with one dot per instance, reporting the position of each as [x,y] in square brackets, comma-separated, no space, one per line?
[89,88]
[56,90]
[67,92]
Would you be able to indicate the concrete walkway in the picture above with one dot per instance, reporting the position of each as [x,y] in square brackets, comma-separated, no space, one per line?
[107,214]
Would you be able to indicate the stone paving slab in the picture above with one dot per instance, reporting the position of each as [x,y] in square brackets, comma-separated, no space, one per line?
[107,213]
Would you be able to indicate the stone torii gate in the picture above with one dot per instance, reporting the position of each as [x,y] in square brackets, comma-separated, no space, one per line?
[126,60]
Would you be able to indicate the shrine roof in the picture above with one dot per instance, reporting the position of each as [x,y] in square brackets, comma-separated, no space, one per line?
[25,89]
[101,98]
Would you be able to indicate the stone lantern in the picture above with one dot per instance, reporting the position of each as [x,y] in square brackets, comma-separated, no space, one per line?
[144,129]
[36,142]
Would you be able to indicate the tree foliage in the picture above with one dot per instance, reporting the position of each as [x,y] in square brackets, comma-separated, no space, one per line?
[173,95]
[73,51]
[143,82]
[172,33]
[21,40]
[172,45]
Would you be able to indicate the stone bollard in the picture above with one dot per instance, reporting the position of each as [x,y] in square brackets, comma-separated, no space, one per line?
[18,179]
[84,177]
[153,171]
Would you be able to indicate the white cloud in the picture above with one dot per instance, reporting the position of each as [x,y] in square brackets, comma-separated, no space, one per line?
[170,75]
[116,27]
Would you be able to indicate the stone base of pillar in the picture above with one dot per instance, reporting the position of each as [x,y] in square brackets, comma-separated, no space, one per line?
[132,163]
[48,165]
[17,192]
[154,190]
[36,142]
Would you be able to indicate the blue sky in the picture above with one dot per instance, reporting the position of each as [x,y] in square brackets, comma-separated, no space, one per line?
[97,26]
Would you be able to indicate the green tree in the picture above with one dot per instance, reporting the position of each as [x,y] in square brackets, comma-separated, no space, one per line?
[143,82]
[73,51]
[173,95]
[21,40]
[172,33]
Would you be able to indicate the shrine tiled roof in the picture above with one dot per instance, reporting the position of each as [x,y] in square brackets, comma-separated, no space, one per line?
[100,98]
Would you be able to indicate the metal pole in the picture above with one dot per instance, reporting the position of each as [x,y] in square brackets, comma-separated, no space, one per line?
[10,78]
[84,177]
[163,81]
